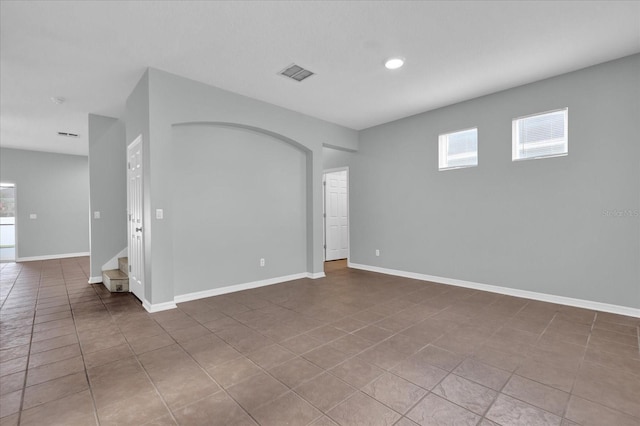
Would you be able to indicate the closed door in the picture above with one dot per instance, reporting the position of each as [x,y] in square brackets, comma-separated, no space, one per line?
[136,228]
[336,215]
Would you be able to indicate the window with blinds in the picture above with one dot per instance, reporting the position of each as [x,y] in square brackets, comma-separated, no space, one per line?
[540,135]
[458,149]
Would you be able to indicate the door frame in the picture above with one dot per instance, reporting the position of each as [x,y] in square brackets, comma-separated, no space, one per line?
[130,146]
[324,211]
[15,221]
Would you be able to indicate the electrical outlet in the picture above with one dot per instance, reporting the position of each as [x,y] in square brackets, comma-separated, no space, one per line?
[262,263]
[377,252]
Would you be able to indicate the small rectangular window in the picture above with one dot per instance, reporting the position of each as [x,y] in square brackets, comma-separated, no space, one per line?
[458,149]
[540,135]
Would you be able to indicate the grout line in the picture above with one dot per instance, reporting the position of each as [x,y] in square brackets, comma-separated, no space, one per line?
[26,367]
[580,362]
[115,323]
[86,372]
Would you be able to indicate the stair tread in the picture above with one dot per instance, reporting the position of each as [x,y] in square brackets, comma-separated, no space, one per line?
[115,274]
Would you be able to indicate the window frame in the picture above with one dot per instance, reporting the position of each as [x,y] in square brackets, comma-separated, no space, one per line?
[515,136]
[443,141]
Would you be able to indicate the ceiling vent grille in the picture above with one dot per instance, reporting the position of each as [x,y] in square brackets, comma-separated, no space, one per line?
[69,135]
[296,72]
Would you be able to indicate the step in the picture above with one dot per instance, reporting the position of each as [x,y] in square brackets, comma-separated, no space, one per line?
[115,281]
[123,264]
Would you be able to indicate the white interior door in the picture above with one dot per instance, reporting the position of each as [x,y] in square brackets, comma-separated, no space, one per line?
[135,206]
[336,216]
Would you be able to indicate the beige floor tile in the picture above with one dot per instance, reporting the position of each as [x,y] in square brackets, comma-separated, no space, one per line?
[54,370]
[215,410]
[285,409]
[54,389]
[588,413]
[395,392]
[483,374]
[361,409]
[356,372]
[295,372]
[467,394]
[325,391]
[433,410]
[76,409]
[234,371]
[537,394]
[256,391]
[510,411]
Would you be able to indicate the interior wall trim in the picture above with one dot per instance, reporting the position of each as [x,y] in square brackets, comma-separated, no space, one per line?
[51,257]
[562,300]
[158,307]
[238,287]
[315,275]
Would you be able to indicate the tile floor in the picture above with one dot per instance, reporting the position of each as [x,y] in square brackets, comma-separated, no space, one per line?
[355,348]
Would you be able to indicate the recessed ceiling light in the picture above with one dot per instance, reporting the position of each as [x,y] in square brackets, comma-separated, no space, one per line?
[394,63]
[58,100]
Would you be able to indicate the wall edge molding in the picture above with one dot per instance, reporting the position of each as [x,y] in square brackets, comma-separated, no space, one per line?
[51,257]
[526,294]
[237,287]
[158,307]
[315,275]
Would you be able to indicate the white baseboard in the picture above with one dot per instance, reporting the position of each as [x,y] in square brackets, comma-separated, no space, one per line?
[580,303]
[238,287]
[158,307]
[51,257]
[95,280]
[315,275]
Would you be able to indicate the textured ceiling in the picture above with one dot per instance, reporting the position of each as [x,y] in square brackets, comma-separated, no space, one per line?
[92,53]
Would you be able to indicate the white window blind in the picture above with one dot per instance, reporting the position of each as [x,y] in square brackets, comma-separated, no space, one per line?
[458,149]
[540,135]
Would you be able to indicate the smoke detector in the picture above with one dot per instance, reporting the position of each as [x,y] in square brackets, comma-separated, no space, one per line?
[296,72]
[58,100]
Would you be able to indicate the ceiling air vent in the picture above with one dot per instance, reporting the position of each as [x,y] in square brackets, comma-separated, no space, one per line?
[69,135]
[296,72]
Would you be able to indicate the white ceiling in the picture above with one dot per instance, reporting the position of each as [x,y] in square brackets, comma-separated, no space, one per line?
[93,53]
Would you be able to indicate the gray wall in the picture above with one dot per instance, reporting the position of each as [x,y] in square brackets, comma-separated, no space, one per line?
[162,100]
[333,158]
[535,225]
[238,196]
[56,188]
[108,186]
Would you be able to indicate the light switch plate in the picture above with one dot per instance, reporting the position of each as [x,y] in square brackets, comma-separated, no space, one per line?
[33,216]
[159,214]
[96,215]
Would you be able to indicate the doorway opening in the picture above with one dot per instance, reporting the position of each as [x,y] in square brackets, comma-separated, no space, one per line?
[7,222]
[335,184]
